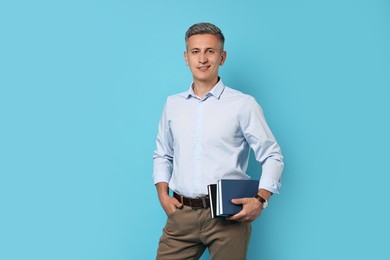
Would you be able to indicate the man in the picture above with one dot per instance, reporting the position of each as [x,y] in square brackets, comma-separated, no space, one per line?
[205,134]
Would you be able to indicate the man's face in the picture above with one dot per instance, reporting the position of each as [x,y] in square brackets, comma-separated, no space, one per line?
[204,55]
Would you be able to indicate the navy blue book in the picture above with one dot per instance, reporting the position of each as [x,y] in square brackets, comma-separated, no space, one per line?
[233,189]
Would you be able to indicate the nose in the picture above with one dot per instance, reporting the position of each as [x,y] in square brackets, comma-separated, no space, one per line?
[202,58]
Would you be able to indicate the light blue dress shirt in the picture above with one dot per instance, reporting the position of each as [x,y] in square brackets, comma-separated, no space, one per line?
[200,141]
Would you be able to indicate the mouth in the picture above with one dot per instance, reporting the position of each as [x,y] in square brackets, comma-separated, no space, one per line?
[203,68]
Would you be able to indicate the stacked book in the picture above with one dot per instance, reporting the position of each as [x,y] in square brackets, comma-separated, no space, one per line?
[224,191]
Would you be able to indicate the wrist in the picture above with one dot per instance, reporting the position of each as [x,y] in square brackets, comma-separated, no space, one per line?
[265,194]
[162,189]
[263,201]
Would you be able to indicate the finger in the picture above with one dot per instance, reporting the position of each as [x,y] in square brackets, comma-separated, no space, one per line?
[236,217]
[238,201]
[177,203]
[171,210]
[241,219]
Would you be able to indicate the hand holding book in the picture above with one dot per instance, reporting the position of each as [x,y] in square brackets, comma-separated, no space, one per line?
[251,210]
[235,199]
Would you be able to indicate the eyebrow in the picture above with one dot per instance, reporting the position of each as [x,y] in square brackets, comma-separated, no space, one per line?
[197,49]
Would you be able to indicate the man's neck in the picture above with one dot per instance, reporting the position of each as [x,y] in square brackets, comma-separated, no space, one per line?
[202,88]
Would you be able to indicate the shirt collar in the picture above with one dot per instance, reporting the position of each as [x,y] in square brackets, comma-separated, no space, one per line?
[216,91]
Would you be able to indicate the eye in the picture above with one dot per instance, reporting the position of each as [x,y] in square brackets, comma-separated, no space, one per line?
[211,51]
[195,52]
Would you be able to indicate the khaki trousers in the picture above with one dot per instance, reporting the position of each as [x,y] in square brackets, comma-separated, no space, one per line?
[188,232]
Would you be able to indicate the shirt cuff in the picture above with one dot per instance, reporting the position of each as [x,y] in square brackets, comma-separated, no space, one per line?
[270,185]
[161,177]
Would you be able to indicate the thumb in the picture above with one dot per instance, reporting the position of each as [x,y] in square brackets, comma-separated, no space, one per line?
[178,204]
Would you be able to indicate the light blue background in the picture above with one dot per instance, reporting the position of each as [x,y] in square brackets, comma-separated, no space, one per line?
[83,84]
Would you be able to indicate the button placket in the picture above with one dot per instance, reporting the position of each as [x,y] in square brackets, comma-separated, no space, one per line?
[198,146]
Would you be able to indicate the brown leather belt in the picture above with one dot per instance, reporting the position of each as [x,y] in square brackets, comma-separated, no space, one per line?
[197,203]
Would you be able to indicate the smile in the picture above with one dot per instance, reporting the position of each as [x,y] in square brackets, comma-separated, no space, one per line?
[203,68]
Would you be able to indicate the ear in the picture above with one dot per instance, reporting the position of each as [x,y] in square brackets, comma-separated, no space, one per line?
[186,58]
[223,58]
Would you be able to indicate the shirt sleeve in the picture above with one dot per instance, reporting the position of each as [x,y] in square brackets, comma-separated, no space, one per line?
[261,140]
[163,155]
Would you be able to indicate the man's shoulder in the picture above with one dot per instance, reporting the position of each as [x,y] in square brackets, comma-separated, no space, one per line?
[243,101]
[236,94]
[178,96]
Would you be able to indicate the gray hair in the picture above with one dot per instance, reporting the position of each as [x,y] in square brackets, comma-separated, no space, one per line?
[205,28]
